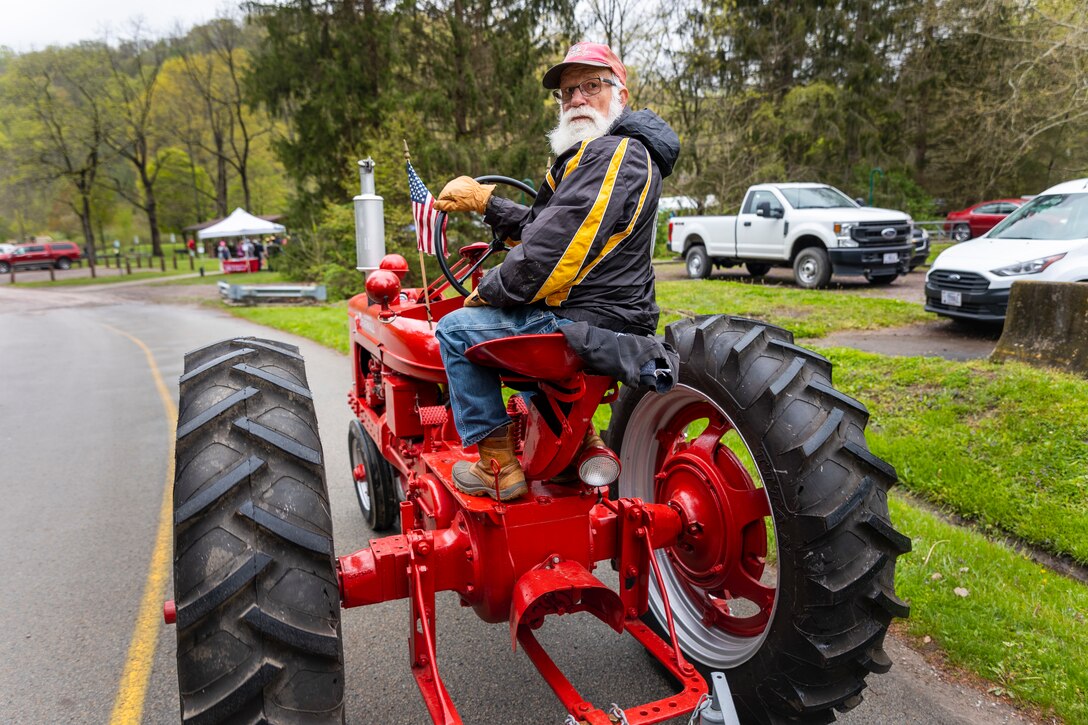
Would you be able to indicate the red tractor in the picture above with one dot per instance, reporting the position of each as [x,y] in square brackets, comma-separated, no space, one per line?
[743,512]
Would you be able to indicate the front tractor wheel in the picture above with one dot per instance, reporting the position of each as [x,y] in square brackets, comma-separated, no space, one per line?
[374,479]
[258,602]
[783,576]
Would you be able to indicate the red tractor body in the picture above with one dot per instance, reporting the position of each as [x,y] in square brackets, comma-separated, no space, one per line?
[511,562]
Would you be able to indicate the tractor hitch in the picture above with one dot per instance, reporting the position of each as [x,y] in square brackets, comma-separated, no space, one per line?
[499,560]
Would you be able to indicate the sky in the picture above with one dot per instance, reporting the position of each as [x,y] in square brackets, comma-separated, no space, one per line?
[35,24]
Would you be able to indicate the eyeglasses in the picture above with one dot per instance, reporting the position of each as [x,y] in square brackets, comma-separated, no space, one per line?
[588,87]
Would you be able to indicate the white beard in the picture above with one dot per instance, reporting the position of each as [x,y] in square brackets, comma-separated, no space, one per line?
[590,123]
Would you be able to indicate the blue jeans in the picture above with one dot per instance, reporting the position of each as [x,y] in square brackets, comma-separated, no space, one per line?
[475,391]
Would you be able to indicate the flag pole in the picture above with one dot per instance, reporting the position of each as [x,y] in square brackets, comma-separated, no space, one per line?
[422,264]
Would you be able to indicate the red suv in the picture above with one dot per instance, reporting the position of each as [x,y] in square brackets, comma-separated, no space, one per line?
[48,254]
[974,221]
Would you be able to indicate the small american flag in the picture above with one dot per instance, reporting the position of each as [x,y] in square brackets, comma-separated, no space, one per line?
[424,214]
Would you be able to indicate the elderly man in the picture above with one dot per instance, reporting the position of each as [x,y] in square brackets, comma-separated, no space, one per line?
[581,264]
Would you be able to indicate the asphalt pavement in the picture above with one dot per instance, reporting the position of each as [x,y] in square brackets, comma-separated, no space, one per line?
[86,444]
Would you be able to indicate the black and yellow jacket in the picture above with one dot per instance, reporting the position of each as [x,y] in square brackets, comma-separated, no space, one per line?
[586,243]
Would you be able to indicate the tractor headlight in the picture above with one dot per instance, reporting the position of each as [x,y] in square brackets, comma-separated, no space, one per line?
[598,467]
[1035,266]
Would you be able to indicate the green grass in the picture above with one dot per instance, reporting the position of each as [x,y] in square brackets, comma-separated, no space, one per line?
[1005,445]
[325,324]
[1021,626]
[808,313]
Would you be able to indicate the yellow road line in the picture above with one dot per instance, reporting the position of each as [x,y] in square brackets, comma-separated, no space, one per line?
[129,705]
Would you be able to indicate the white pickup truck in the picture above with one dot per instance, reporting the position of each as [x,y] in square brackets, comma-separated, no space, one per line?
[815,228]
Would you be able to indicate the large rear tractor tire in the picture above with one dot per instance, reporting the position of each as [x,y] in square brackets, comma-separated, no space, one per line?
[258,604]
[783,578]
[374,480]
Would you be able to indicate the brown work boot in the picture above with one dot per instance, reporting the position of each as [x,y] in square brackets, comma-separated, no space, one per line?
[570,474]
[497,474]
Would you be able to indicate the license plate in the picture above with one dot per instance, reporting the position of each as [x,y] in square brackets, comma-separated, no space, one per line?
[952,299]
[891,257]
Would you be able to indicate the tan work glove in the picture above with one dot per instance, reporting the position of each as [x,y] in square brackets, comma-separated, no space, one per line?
[464,194]
[475,300]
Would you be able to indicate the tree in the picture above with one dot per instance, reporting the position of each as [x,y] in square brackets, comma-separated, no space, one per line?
[199,124]
[177,174]
[134,68]
[63,133]
[324,70]
[215,62]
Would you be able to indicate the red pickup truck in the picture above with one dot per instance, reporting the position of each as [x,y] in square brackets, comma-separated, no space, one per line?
[47,254]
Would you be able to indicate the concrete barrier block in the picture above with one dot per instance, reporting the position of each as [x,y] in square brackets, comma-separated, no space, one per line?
[1046,325]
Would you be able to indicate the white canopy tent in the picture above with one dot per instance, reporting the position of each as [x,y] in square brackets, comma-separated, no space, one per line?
[240,224]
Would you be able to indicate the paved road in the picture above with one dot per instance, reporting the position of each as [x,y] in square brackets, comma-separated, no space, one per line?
[83,474]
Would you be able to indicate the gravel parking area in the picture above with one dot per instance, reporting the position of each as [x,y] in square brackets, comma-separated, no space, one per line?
[939,338]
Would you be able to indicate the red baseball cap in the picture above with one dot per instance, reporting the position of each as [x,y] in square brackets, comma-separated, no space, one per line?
[595,54]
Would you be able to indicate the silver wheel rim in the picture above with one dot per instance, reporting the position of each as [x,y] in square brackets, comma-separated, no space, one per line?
[695,265]
[362,489]
[709,645]
[808,270]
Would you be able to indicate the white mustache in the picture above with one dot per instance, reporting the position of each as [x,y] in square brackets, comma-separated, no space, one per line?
[578,124]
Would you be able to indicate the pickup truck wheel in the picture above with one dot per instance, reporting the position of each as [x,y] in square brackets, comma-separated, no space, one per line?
[258,601]
[756,269]
[64,263]
[961,232]
[4,267]
[812,268]
[373,478]
[698,263]
[881,280]
[784,577]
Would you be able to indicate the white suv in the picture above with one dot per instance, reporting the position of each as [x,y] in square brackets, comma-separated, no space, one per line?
[1045,240]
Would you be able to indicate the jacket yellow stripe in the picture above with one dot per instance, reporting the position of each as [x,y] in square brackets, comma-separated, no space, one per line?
[575,160]
[551,180]
[576,252]
[613,241]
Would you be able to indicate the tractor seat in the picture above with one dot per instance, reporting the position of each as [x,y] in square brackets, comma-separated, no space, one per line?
[541,357]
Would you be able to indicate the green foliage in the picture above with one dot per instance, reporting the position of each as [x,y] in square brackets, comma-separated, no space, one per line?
[895,189]
[181,182]
[1004,445]
[1020,625]
[458,80]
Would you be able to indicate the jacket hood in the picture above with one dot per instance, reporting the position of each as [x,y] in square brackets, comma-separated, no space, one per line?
[656,135]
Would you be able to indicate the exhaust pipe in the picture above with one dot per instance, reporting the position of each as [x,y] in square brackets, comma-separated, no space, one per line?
[369,221]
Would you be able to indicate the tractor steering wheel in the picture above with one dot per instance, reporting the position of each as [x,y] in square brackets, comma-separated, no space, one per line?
[495,246]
